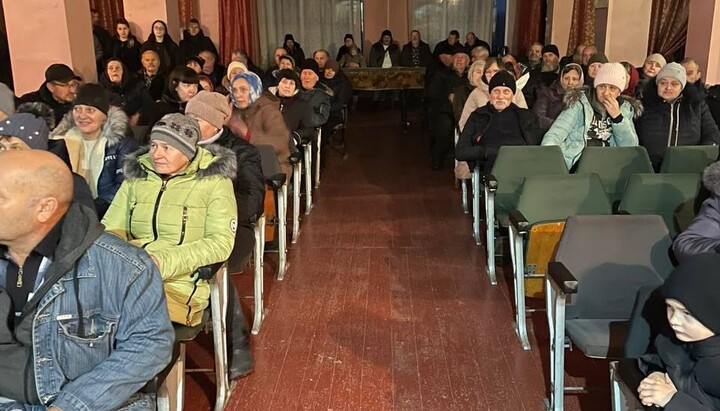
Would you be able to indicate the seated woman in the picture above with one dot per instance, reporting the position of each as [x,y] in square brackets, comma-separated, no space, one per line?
[480,96]
[594,63]
[177,203]
[294,109]
[353,58]
[598,117]
[549,103]
[183,84]
[499,123]
[674,115]
[682,367]
[650,68]
[160,41]
[125,46]
[256,118]
[462,92]
[233,68]
[98,138]
[703,233]
[126,91]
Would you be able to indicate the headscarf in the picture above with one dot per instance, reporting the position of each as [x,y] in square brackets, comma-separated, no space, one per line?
[577,68]
[255,83]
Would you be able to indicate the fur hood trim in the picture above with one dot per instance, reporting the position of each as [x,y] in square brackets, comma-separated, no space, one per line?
[210,161]
[711,178]
[572,96]
[115,129]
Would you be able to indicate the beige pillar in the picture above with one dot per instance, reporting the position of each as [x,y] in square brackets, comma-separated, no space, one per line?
[628,28]
[703,38]
[209,15]
[559,17]
[142,13]
[43,32]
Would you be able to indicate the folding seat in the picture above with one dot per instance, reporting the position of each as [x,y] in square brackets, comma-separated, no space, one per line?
[688,159]
[502,188]
[614,165]
[171,393]
[624,380]
[599,265]
[276,181]
[463,182]
[308,161]
[339,143]
[661,194]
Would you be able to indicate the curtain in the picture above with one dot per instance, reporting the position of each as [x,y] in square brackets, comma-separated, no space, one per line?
[434,19]
[109,11]
[668,26]
[530,26]
[238,28]
[188,10]
[315,24]
[582,29]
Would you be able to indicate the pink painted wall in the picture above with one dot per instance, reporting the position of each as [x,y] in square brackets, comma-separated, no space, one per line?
[60,32]
[559,20]
[209,16]
[386,14]
[628,26]
[703,44]
[142,13]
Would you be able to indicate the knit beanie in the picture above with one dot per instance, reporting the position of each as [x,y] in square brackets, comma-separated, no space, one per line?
[348,36]
[310,64]
[598,58]
[92,95]
[386,32]
[502,78]
[676,71]
[551,48]
[209,106]
[7,100]
[696,285]
[32,130]
[332,64]
[255,83]
[613,74]
[289,74]
[233,65]
[179,131]
[289,37]
[658,58]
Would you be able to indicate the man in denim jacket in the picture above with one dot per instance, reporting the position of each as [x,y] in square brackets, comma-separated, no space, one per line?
[57,266]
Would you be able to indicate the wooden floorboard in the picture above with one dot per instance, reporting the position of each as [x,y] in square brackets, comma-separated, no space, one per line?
[386,304]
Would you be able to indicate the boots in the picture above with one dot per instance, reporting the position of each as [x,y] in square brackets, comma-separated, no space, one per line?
[240,359]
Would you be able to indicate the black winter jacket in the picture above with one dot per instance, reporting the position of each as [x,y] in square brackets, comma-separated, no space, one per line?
[342,91]
[167,50]
[426,56]
[443,83]
[297,115]
[126,52]
[472,148]
[377,54]
[685,122]
[319,99]
[191,46]
[549,104]
[43,95]
[130,95]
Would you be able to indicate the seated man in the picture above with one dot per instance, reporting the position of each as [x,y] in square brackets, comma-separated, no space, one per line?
[384,53]
[58,90]
[317,94]
[703,233]
[321,57]
[416,53]
[57,265]
[682,366]
[499,123]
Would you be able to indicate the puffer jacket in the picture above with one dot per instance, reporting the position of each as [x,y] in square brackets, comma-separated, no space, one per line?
[687,121]
[119,143]
[570,128]
[703,233]
[480,97]
[184,222]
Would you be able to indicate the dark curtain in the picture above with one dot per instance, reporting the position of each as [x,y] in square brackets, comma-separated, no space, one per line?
[582,29]
[668,26]
[530,26]
[109,11]
[188,10]
[238,28]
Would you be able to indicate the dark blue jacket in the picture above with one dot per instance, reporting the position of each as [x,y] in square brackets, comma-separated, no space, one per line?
[703,233]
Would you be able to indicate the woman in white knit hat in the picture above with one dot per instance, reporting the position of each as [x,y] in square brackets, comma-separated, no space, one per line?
[599,117]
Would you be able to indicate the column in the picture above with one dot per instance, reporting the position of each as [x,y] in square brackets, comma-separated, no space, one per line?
[559,19]
[209,15]
[703,38]
[142,13]
[43,32]
[628,28]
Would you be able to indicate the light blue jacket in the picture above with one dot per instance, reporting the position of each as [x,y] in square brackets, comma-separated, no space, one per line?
[570,128]
[127,337]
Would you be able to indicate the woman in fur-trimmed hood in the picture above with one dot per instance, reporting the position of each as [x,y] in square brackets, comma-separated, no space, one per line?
[178,203]
[596,117]
[98,139]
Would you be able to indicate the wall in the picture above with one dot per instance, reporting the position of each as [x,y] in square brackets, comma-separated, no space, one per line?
[385,14]
[559,16]
[628,25]
[702,44]
[142,13]
[209,15]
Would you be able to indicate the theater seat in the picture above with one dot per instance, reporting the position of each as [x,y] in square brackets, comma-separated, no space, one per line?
[614,165]
[688,159]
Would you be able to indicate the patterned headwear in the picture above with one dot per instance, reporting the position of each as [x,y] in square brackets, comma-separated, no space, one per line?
[255,83]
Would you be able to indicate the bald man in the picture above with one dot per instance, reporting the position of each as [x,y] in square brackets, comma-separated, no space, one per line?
[56,266]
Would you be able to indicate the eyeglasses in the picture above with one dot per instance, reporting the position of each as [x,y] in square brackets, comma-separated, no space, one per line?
[71,84]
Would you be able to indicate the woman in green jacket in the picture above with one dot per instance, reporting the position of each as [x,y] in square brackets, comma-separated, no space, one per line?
[177,202]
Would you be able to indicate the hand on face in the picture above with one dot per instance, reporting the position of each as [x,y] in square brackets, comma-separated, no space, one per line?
[611,106]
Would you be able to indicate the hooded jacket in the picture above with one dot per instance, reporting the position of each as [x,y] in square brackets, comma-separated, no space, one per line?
[191,46]
[549,104]
[377,54]
[687,121]
[570,128]
[130,95]
[43,95]
[118,144]
[185,222]
[116,290]
[703,233]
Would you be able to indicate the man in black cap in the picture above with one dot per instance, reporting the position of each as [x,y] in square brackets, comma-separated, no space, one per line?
[317,94]
[550,64]
[293,48]
[499,123]
[385,53]
[58,90]
[348,42]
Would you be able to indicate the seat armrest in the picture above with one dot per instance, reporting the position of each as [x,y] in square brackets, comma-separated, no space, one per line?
[276,181]
[295,158]
[207,272]
[560,275]
[518,220]
[491,182]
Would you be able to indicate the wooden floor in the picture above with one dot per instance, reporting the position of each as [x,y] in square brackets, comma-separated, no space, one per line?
[386,305]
